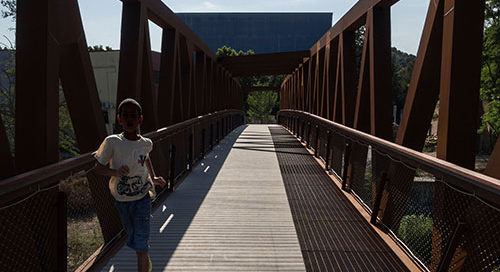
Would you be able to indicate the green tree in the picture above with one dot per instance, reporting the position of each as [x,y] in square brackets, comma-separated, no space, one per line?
[8,96]
[97,48]
[262,106]
[490,72]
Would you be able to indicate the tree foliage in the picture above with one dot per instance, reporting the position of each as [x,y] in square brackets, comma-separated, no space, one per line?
[8,96]
[98,48]
[490,72]
[260,107]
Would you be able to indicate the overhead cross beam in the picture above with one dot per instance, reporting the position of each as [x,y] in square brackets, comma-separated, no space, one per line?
[260,88]
[264,64]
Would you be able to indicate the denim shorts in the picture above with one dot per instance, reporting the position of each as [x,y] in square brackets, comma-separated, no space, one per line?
[135,216]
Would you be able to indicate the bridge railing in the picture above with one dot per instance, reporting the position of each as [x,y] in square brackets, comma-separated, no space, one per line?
[48,216]
[446,218]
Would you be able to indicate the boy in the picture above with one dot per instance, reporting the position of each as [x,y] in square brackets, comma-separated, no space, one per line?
[129,165]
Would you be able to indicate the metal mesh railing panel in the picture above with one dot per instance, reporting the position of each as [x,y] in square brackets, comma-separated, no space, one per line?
[338,145]
[84,235]
[28,240]
[442,226]
[362,181]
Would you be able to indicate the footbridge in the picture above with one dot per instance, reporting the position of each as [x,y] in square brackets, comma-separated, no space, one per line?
[333,186]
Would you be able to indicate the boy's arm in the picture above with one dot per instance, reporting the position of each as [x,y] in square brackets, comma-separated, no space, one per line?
[156,180]
[106,171]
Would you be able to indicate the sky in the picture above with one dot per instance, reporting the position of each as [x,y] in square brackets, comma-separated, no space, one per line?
[102,18]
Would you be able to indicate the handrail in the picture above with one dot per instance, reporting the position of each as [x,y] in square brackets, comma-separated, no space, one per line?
[49,172]
[479,184]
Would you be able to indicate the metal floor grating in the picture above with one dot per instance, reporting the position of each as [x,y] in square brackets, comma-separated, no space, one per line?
[333,235]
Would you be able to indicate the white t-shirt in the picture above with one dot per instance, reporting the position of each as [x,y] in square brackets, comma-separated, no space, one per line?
[118,151]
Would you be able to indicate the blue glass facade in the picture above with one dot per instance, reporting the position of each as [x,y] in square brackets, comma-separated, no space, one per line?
[261,32]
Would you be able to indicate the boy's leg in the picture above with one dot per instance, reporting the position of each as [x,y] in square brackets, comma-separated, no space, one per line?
[141,232]
[142,262]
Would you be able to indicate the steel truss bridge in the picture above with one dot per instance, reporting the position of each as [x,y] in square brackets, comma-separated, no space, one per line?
[333,187]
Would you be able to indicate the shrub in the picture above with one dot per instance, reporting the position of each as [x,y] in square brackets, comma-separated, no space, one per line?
[416,232]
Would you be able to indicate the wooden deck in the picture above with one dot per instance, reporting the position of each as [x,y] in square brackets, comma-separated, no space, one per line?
[230,214]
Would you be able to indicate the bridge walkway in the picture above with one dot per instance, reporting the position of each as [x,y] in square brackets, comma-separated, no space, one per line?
[248,206]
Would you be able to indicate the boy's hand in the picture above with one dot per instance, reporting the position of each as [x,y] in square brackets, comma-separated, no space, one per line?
[122,171]
[159,181]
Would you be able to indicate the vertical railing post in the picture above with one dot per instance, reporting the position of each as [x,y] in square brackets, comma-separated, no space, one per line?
[172,168]
[303,131]
[347,158]
[212,142]
[328,151]
[378,197]
[202,146]
[296,126]
[444,264]
[62,232]
[190,151]
[217,136]
[308,126]
[317,144]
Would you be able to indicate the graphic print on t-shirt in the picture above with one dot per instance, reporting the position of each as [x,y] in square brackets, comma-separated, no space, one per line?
[131,186]
[134,184]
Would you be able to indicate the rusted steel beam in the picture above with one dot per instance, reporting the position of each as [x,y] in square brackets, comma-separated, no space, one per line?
[37,87]
[49,49]
[148,91]
[331,80]
[260,88]
[186,58]
[161,15]
[352,20]
[200,74]
[131,50]
[460,76]
[362,109]
[348,46]
[325,91]
[320,63]
[493,167]
[6,159]
[264,64]
[168,75]
[337,101]
[264,59]
[424,85]
[418,110]
[77,78]
[380,72]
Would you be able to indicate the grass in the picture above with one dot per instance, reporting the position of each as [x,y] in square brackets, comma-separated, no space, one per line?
[84,238]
